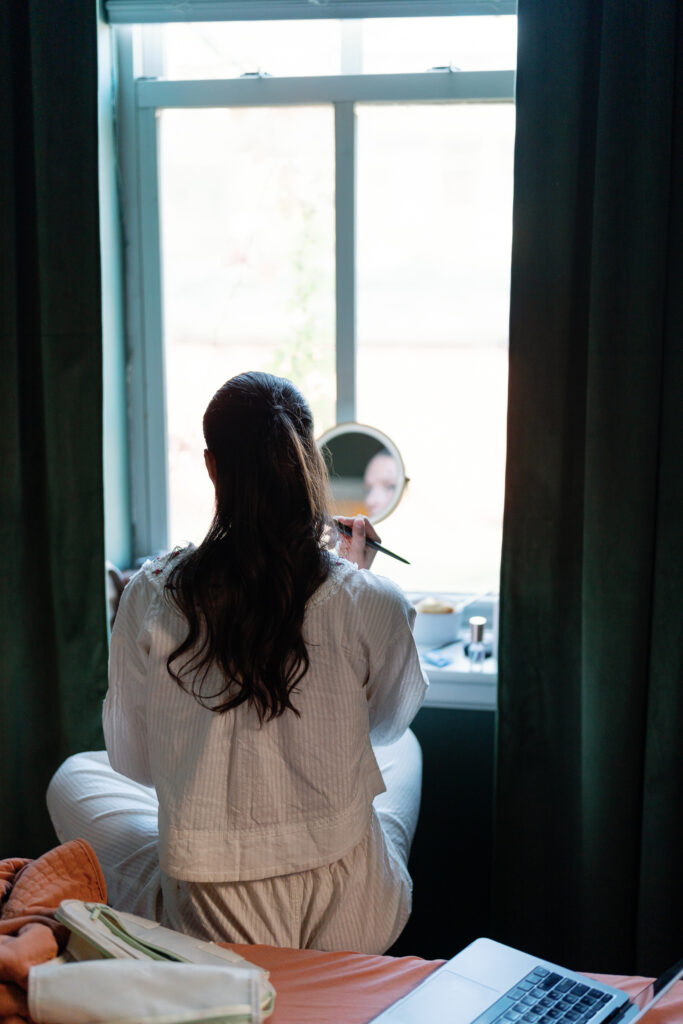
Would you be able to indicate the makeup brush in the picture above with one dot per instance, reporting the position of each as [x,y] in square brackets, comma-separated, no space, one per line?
[343,528]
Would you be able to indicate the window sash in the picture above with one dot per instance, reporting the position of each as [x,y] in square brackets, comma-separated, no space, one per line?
[140,99]
[156,11]
[420,87]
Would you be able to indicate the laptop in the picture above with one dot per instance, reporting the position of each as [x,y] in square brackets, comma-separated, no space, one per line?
[489,983]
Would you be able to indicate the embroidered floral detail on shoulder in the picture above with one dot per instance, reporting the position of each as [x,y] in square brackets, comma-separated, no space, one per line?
[339,570]
[162,564]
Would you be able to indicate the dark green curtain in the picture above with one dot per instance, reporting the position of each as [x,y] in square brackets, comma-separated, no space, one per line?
[588,865]
[52,613]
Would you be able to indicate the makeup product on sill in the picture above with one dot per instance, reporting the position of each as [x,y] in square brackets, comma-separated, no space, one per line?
[437,622]
[343,528]
[476,651]
[436,658]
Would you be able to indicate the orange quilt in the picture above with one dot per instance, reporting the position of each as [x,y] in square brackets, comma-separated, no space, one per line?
[30,892]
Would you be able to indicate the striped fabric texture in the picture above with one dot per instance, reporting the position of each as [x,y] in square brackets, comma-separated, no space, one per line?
[290,832]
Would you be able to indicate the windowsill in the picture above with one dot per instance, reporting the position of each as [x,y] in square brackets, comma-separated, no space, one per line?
[457,686]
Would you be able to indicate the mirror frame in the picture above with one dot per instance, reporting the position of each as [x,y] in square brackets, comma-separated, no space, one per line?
[352,427]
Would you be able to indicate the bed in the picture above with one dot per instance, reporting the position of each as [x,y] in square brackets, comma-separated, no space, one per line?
[351,988]
[311,987]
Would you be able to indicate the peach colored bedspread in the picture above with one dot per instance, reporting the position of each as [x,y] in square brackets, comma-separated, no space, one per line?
[311,987]
[351,988]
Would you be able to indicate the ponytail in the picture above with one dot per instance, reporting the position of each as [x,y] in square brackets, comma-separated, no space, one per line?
[243,591]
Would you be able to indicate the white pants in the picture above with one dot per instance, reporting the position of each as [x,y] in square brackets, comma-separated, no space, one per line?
[360,902]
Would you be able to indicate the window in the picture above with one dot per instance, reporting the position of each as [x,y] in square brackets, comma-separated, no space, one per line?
[331,201]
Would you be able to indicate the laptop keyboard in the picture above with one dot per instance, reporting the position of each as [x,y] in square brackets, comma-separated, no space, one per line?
[543,997]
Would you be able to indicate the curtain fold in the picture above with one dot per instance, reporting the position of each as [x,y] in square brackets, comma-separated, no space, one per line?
[53,642]
[589,790]
[589,824]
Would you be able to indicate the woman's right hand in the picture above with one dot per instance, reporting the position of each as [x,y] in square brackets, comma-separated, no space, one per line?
[354,548]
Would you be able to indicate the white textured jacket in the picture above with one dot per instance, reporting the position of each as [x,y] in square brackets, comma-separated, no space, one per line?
[241,800]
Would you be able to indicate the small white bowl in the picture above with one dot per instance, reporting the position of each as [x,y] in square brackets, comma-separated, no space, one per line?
[435,628]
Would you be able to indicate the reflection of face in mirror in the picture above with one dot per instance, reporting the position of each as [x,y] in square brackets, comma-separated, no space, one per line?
[365,470]
[381,480]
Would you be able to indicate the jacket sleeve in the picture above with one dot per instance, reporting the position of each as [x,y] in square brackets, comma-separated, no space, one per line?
[397,682]
[124,711]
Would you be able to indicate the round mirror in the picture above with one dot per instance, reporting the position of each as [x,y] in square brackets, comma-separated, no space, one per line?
[367,475]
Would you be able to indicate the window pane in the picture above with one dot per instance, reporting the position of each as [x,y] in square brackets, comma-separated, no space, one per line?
[434,237]
[477,43]
[230,49]
[330,47]
[247,219]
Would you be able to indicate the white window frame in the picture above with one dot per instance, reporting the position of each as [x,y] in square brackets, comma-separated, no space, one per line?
[141,97]
[142,93]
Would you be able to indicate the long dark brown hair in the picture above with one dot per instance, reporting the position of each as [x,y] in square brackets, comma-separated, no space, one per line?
[243,591]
